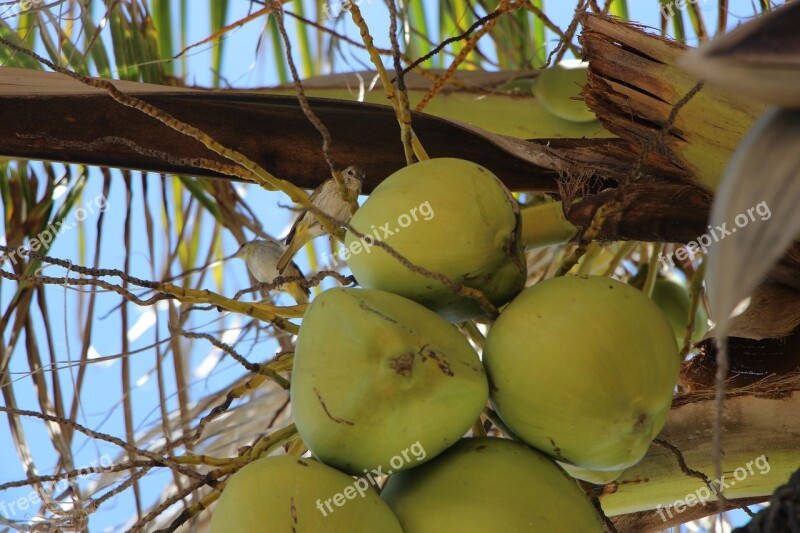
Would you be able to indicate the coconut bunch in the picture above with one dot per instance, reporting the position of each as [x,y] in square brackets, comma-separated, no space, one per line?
[580,370]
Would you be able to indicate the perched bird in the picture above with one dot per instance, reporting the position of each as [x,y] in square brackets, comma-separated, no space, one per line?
[262,257]
[327,199]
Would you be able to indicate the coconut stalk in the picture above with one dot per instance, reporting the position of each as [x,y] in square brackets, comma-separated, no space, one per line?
[545,224]
[634,83]
[760,420]
[500,102]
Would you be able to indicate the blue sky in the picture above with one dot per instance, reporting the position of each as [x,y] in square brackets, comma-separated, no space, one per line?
[244,67]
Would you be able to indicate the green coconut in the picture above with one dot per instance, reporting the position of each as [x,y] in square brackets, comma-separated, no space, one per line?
[673,300]
[381,382]
[583,368]
[448,216]
[279,494]
[559,87]
[489,484]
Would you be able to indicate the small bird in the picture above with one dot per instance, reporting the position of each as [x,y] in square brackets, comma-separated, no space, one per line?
[262,257]
[327,199]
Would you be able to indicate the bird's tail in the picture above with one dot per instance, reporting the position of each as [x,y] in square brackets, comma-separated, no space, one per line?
[288,254]
[298,292]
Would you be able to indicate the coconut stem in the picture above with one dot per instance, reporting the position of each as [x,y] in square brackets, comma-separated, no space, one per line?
[625,249]
[585,265]
[652,269]
[473,333]
[296,446]
[545,224]
[695,295]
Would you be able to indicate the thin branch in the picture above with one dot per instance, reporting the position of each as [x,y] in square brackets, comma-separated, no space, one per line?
[441,46]
[301,96]
[402,94]
[164,461]
[699,475]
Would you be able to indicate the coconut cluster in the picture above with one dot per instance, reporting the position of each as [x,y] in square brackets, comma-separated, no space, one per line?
[580,369]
